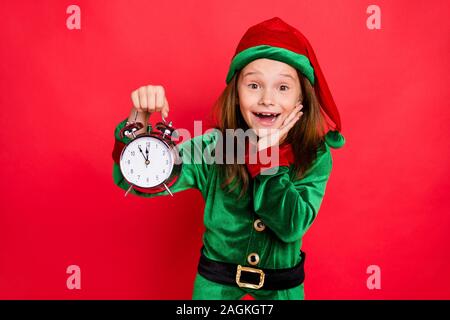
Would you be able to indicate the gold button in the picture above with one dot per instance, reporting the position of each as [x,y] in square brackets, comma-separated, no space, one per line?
[259,225]
[253,259]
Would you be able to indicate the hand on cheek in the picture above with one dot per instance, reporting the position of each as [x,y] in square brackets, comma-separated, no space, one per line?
[272,137]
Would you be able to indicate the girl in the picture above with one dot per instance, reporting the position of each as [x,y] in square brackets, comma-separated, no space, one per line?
[256,215]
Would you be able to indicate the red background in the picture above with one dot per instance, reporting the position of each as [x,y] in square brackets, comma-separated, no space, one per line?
[63,91]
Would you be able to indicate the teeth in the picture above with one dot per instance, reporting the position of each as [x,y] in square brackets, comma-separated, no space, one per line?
[267,114]
[273,116]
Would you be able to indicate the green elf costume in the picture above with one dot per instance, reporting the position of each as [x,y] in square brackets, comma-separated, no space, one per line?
[252,246]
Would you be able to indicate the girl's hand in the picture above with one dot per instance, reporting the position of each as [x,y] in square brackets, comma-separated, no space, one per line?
[149,99]
[273,137]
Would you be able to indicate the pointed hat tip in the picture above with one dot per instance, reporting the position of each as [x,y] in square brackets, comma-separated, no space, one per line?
[335,139]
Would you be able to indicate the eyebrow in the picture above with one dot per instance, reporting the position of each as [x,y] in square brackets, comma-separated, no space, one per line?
[257,72]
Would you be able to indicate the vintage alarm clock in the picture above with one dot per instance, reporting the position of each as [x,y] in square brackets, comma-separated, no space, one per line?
[150,162]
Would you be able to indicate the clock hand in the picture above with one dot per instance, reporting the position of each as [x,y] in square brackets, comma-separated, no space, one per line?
[146,152]
[142,153]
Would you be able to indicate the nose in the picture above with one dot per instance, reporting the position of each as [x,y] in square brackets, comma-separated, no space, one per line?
[266,98]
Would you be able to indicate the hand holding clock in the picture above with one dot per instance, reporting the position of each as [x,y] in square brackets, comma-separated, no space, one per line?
[149,99]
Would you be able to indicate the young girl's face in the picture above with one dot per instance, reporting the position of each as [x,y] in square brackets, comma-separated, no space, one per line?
[268,91]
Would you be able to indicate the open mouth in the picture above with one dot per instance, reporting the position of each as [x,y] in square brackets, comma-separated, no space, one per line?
[266,115]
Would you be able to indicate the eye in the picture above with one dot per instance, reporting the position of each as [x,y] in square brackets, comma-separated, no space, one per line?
[284,86]
[253,86]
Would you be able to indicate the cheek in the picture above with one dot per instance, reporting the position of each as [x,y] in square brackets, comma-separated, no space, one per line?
[247,98]
[247,115]
[244,101]
[288,110]
[244,107]
[290,105]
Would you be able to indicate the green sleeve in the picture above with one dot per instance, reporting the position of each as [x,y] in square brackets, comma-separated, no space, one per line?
[194,170]
[289,207]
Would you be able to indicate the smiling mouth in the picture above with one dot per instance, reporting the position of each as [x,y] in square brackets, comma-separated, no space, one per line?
[266,115]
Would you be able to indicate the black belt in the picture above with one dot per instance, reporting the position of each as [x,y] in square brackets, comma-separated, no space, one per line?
[249,277]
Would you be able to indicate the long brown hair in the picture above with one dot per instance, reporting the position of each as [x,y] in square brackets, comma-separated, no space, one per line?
[306,136]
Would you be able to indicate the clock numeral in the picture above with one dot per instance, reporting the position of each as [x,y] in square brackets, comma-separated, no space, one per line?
[156,146]
[157,177]
[147,179]
[128,161]
[148,145]
[131,171]
[164,170]
[132,153]
[139,176]
[167,161]
[164,153]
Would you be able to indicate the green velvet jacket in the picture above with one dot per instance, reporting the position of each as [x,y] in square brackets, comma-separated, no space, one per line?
[286,207]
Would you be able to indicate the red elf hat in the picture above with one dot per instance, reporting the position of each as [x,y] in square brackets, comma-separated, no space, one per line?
[275,39]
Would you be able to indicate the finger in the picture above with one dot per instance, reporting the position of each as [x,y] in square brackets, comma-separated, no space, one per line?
[292,115]
[165,111]
[135,100]
[142,98]
[151,99]
[293,120]
[288,126]
[289,117]
[159,98]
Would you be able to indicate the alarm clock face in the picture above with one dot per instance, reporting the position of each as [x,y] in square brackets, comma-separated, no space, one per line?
[146,162]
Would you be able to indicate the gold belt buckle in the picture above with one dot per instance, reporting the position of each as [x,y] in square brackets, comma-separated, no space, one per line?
[249,285]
